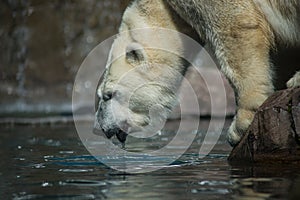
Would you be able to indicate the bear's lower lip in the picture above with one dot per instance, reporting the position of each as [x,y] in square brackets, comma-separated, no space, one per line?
[121,135]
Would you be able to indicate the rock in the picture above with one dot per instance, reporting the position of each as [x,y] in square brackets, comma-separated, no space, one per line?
[43,43]
[274,133]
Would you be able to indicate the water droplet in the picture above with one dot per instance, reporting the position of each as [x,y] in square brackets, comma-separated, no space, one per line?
[104,190]
[39,166]
[194,191]
[53,143]
[46,184]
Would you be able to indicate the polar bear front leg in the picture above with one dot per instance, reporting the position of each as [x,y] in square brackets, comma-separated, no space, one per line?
[252,89]
[244,59]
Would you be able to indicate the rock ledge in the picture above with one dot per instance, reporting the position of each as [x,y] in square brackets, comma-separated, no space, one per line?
[274,135]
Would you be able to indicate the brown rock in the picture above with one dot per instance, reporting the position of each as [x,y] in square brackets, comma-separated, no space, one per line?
[274,133]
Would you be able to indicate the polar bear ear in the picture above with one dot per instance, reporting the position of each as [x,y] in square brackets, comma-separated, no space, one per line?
[135,53]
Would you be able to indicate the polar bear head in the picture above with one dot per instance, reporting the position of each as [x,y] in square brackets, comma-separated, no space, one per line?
[144,70]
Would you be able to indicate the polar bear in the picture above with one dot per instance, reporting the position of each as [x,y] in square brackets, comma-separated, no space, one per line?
[241,34]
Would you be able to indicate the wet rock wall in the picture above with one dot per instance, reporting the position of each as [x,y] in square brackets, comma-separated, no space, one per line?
[42,46]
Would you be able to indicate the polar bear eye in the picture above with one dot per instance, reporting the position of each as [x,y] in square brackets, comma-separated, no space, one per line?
[135,53]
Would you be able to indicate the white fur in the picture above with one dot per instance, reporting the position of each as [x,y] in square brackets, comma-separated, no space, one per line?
[286,28]
[99,93]
[251,77]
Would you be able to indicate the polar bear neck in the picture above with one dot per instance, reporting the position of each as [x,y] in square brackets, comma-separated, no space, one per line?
[283,17]
[156,14]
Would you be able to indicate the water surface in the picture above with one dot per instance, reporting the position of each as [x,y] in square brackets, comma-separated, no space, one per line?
[50,162]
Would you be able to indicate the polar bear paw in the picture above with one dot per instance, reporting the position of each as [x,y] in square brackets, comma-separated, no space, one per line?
[295,81]
[233,136]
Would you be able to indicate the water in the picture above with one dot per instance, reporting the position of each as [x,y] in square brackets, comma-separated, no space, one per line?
[50,162]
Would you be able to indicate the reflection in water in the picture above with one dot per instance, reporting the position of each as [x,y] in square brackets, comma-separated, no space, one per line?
[50,162]
[267,181]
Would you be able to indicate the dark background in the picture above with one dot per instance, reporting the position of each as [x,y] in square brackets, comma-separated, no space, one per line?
[43,43]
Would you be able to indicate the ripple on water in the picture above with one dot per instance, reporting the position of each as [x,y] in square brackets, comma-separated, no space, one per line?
[81,182]
[75,170]
[39,196]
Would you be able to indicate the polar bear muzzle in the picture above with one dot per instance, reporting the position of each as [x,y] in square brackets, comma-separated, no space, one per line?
[105,119]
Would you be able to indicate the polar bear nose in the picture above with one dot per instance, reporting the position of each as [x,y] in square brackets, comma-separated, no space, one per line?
[110,94]
[107,96]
